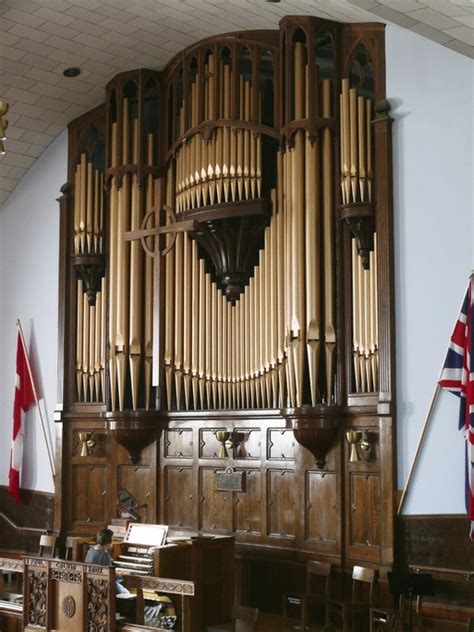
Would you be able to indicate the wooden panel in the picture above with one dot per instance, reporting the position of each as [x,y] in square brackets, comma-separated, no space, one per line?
[35,511]
[281,444]
[178,495]
[209,446]
[136,480]
[89,487]
[282,514]
[365,509]
[321,507]
[248,504]
[215,508]
[248,443]
[179,443]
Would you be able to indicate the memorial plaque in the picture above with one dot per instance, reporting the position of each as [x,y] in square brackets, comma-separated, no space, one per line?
[230,481]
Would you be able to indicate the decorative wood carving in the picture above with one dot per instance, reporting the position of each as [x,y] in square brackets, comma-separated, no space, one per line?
[98,605]
[91,269]
[318,434]
[361,221]
[179,443]
[134,432]
[37,592]
[230,234]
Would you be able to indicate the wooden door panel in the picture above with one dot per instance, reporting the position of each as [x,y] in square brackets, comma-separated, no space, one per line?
[281,503]
[248,504]
[215,508]
[321,510]
[178,496]
[89,490]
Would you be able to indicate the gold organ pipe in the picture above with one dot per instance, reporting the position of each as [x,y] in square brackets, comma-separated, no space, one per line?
[247,344]
[103,321]
[361,318]
[297,237]
[114,203]
[289,228]
[353,142]
[345,122]
[170,305]
[281,281]
[203,327]
[226,133]
[97,345]
[196,324]
[355,314]
[187,317]
[233,162]
[247,140]
[219,346]
[82,204]
[362,138]
[261,326]
[312,250]
[79,335]
[256,330]
[328,229]
[273,300]
[178,320]
[92,319]
[225,355]
[136,274]
[85,348]
[89,206]
[369,148]
[252,346]
[97,212]
[209,322]
[148,337]
[214,352]
[77,186]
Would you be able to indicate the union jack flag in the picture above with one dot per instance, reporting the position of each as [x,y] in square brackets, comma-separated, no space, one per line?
[457,376]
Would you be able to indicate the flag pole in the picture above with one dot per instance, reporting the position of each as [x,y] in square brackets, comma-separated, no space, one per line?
[423,432]
[35,395]
[420,441]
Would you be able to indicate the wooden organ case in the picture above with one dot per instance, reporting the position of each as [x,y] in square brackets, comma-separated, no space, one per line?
[226,311]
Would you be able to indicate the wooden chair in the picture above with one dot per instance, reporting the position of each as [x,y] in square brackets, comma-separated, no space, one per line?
[47,546]
[318,580]
[360,602]
[385,614]
[244,619]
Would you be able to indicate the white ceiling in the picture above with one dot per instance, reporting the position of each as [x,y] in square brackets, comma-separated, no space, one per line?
[40,38]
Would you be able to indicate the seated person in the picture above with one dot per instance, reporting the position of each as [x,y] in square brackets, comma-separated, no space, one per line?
[99,554]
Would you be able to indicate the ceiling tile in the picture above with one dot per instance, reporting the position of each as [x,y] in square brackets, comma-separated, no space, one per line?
[467,20]
[445,7]
[431,33]
[433,18]
[393,16]
[460,47]
[463,33]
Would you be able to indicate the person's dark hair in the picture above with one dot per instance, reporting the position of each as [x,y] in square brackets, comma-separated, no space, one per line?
[104,536]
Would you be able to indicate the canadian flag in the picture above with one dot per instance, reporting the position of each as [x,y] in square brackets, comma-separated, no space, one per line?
[24,397]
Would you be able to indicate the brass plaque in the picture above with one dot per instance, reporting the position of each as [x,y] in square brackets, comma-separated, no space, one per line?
[230,481]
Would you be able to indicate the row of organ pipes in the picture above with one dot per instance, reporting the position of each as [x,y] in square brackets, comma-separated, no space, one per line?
[228,166]
[88,208]
[276,345]
[130,274]
[88,240]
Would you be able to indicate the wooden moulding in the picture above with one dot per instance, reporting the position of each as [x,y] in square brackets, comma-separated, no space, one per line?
[316,432]
[360,217]
[91,269]
[134,431]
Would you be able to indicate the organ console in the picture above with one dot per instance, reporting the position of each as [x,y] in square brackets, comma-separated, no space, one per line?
[227,268]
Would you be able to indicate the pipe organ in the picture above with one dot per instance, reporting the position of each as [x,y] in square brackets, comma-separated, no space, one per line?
[227,250]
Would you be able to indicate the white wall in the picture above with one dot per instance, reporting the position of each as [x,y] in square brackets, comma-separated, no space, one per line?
[430,88]
[29,239]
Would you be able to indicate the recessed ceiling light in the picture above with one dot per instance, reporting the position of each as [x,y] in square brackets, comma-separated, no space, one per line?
[275,1]
[72,72]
